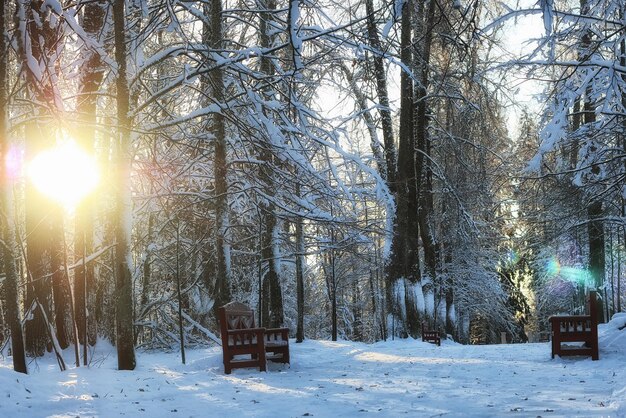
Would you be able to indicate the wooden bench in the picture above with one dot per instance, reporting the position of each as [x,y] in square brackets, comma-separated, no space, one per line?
[430,336]
[244,344]
[580,329]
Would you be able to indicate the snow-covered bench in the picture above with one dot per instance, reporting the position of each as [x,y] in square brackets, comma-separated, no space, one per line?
[430,336]
[244,344]
[579,329]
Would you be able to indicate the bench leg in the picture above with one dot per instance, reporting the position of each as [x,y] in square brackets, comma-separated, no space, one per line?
[262,359]
[556,343]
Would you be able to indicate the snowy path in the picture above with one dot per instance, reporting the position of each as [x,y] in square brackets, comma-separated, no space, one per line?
[342,379]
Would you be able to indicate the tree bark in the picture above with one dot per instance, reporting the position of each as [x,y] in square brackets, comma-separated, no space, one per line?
[332,285]
[423,168]
[389,172]
[124,339]
[595,224]
[11,284]
[595,229]
[92,73]
[213,39]
[622,61]
[299,275]
[48,283]
[403,275]
[273,315]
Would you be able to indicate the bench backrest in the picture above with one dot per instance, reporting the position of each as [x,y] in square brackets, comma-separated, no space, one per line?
[579,323]
[232,316]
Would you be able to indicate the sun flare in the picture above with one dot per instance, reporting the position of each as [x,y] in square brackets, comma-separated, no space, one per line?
[65,173]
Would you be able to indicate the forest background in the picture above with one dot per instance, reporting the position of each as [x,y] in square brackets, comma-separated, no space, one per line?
[225,174]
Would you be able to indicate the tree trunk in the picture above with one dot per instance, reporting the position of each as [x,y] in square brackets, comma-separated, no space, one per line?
[91,78]
[596,249]
[146,277]
[273,311]
[11,285]
[403,275]
[61,291]
[423,168]
[389,172]
[595,225]
[299,275]
[333,289]
[622,61]
[124,339]
[357,326]
[48,283]
[213,38]
[618,301]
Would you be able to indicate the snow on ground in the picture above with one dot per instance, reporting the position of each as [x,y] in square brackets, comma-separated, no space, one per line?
[334,379]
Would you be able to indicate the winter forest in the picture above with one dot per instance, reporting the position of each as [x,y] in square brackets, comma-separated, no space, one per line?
[348,169]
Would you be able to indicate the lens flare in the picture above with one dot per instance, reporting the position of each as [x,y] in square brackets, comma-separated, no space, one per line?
[554,267]
[13,162]
[577,275]
[64,173]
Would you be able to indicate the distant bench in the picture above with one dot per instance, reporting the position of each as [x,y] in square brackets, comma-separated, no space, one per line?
[581,329]
[430,336]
